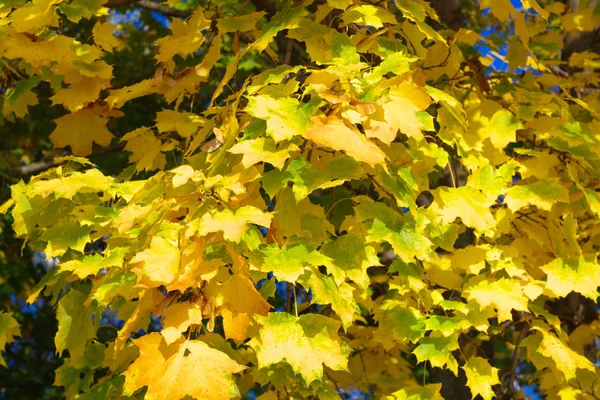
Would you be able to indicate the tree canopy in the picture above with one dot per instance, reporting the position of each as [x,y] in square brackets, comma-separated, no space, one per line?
[301,199]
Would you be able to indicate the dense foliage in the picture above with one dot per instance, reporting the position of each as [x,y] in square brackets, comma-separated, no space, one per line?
[302,199]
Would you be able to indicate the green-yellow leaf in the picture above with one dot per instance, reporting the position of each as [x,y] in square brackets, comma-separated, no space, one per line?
[481,376]
[306,343]
[543,194]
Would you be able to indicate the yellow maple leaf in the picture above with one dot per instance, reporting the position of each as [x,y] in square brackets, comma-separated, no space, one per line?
[104,37]
[79,130]
[503,294]
[160,263]
[147,149]
[547,350]
[239,300]
[20,107]
[85,90]
[177,318]
[185,124]
[565,276]
[183,368]
[9,328]
[233,224]
[186,39]
[263,150]
[405,100]
[34,16]
[333,133]
[481,376]
[469,204]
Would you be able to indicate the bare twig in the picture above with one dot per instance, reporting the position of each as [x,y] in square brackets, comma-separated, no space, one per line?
[40,166]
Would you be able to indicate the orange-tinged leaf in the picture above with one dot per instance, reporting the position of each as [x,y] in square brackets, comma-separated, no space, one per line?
[183,368]
[333,133]
[240,301]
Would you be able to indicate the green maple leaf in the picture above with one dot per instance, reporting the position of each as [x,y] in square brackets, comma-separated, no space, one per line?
[350,259]
[398,324]
[288,262]
[543,194]
[326,291]
[437,349]
[75,324]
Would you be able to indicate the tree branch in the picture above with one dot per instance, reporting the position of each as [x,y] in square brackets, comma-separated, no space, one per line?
[150,5]
[40,166]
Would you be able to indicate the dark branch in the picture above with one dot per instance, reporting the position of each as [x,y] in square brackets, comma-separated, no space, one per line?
[40,166]
[150,5]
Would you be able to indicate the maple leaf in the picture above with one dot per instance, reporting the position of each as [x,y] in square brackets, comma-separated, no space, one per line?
[239,301]
[233,224]
[9,328]
[63,237]
[333,133]
[147,149]
[288,262]
[399,112]
[437,349]
[91,265]
[285,117]
[75,324]
[546,350]
[350,258]
[469,204]
[177,318]
[543,194]
[340,297]
[183,368]
[565,276]
[481,376]
[504,294]
[263,150]
[160,263]
[306,343]
[427,392]
[186,124]
[398,324]
[104,37]
[79,130]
